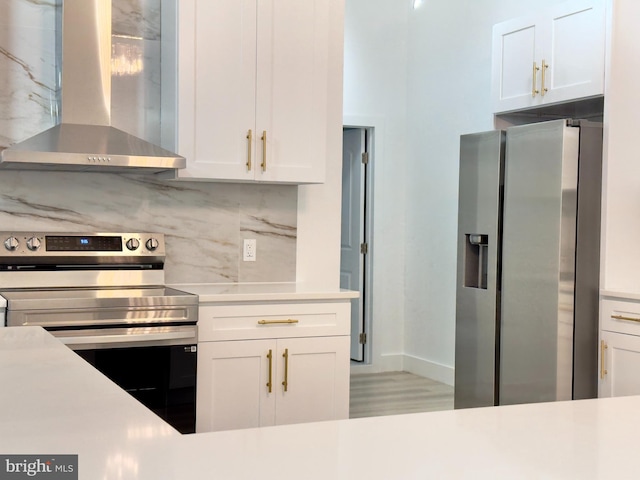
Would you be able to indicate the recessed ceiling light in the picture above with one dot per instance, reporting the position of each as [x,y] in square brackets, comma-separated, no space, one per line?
[417,3]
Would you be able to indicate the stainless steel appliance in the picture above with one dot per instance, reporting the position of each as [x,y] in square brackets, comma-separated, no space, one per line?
[103,295]
[528,264]
[85,140]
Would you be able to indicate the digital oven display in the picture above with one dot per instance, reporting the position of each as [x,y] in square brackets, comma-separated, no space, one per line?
[89,243]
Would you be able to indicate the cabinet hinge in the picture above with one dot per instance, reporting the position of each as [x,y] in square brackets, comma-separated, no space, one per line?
[364,248]
[363,338]
[365,158]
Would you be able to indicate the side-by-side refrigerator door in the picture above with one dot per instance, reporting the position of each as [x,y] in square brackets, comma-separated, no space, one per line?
[538,262]
[477,291]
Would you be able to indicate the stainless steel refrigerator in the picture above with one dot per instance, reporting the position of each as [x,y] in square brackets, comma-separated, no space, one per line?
[528,264]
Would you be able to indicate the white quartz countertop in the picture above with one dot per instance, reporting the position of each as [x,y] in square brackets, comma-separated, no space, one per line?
[54,402]
[619,295]
[260,292]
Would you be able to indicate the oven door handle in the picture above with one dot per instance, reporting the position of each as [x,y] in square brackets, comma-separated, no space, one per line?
[180,337]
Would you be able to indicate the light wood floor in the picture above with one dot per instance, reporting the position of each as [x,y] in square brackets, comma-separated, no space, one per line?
[392,393]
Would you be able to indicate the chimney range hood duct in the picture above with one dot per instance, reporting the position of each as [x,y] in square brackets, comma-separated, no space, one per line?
[85,140]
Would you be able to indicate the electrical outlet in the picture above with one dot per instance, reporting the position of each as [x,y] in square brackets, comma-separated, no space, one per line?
[249,250]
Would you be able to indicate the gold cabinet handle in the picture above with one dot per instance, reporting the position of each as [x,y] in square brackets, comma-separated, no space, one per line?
[622,317]
[534,92]
[288,321]
[270,357]
[603,348]
[544,89]
[264,151]
[249,144]
[285,383]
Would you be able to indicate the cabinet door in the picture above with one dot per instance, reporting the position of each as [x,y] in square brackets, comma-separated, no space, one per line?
[574,50]
[232,385]
[293,81]
[554,56]
[515,80]
[619,370]
[316,370]
[217,88]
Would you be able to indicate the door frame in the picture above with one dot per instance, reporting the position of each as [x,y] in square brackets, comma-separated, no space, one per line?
[372,133]
[353,232]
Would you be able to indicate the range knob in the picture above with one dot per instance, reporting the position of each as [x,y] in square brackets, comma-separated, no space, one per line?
[133,244]
[11,243]
[152,244]
[33,244]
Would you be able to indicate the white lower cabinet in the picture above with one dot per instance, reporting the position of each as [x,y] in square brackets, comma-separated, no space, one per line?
[619,367]
[244,383]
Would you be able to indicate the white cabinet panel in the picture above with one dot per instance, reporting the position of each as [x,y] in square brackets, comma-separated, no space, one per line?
[619,347]
[293,89]
[224,84]
[243,364]
[574,49]
[317,380]
[552,56]
[514,54]
[620,367]
[254,85]
[621,316]
[232,385]
[243,322]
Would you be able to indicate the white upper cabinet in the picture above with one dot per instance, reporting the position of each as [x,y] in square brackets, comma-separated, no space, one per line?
[553,56]
[253,88]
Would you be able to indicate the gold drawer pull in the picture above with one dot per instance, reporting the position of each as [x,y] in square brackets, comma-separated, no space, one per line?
[544,89]
[270,383]
[622,317]
[288,321]
[249,145]
[264,151]
[285,384]
[603,370]
[534,91]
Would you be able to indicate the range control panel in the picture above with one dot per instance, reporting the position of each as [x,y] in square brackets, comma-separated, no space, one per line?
[43,245]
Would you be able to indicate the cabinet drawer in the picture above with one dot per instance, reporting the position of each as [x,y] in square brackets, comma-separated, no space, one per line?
[622,316]
[250,321]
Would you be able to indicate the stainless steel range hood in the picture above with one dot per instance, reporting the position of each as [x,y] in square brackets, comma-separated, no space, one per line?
[85,140]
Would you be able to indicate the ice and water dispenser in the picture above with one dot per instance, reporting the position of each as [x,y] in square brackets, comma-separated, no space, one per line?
[476,260]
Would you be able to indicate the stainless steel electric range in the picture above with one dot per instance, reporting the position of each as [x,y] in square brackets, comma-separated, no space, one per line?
[103,295]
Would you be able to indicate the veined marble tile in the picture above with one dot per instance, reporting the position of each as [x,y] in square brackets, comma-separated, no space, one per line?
[268,221]
[28,96]
[29,13]
[203,222]
[136,18]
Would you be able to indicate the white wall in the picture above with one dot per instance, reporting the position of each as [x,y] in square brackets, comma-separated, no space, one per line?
[375,95]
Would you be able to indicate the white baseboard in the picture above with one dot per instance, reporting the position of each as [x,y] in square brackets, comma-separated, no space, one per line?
[385,363]
[426,368]
[408,363]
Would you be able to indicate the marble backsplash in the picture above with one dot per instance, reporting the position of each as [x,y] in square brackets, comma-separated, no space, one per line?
[204,223]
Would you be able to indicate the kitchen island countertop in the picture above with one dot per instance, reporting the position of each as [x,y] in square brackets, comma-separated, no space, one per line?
[55,403]
[261,292]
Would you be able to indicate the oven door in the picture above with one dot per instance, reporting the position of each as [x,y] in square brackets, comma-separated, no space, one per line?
[156,365]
